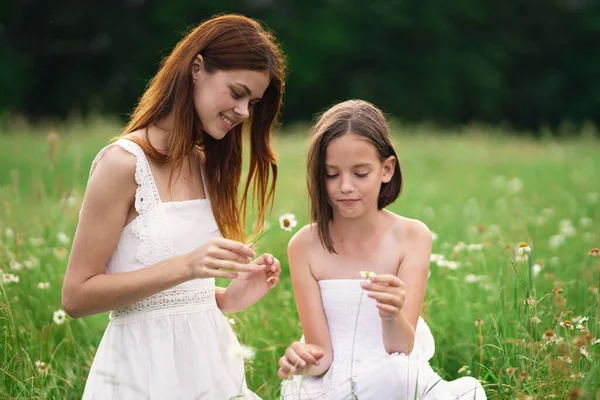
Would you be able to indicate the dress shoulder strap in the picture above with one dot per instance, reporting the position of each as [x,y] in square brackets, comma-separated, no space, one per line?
[150,225]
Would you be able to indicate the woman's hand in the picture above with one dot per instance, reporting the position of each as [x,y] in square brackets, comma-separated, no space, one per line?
[388,291]
[250,286]
[218,258]
[298,358]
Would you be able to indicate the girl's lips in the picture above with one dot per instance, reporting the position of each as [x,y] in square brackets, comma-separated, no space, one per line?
[347,201]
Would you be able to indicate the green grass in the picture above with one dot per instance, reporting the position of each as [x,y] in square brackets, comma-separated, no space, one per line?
[458,184]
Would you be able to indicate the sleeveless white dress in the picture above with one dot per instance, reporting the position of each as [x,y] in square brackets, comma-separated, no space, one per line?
[361,368]
[175,344]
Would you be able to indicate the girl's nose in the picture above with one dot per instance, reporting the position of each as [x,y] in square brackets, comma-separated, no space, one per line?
[347,185]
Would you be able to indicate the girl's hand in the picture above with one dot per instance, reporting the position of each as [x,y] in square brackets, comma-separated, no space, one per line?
[389,292]
[249,287]
[218,257]
[298,358]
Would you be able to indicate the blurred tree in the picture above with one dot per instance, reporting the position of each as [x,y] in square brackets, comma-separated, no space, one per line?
[530,64]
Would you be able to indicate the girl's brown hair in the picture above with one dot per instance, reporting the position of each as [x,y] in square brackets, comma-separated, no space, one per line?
[362,119]
[225,42]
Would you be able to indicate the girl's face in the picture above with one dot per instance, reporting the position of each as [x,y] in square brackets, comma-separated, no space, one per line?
[354,175]
[224,98]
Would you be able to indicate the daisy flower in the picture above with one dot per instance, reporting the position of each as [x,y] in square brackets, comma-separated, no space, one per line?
[367,274]
[523,248]
[59,317]
[62,238]
[288,222]
[243,351]
[41,367]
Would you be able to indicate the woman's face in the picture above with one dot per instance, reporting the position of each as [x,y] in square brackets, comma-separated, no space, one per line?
[224,98]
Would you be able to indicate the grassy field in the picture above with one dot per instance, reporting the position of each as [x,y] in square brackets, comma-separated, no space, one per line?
[516,324]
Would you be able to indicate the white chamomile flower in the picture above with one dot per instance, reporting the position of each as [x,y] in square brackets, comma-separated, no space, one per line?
[567,324]
[523,248]
[242,351]
[41,367]
[59,317]
[448,264]
[15,266]
[586,222]
[435,257]
[581,323]
[556,241]
[459,247]
[288,222]
[63,238]
[584,352]
[44,285]
[566,228]
[515,185]
[10,278]
[367,274]
[69,201]
[475,246]
[464,370]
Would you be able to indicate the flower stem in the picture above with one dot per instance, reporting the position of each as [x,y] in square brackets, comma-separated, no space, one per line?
[352,383]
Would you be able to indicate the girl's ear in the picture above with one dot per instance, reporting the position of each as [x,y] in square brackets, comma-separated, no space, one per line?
[389,165]
[197,67]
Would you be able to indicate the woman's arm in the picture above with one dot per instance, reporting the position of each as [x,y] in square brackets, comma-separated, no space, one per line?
[314,357]
[110,193]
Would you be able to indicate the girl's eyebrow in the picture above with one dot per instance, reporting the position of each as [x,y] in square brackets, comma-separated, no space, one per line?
[354,166]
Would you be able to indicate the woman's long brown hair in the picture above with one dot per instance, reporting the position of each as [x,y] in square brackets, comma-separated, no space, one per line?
[225,42]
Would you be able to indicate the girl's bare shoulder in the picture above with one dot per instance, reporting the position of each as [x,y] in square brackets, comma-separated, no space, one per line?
[304,239]
[409,230]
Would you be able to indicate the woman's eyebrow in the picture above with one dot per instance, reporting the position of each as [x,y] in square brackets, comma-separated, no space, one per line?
[247,90]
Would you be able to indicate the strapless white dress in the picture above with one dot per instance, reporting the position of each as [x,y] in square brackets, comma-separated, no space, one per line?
[361,368]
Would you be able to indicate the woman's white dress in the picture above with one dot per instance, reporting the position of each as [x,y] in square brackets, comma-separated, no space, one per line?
[361,368]
[175,344]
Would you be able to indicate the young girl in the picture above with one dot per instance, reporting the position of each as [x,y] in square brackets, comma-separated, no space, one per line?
[358,332]
[161,220]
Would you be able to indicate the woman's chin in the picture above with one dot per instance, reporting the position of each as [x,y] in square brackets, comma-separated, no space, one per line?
[216,134]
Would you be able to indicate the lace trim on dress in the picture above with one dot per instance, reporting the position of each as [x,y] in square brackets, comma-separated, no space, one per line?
[167,299]
[150,226]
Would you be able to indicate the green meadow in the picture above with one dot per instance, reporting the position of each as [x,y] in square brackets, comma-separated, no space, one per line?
[523,320]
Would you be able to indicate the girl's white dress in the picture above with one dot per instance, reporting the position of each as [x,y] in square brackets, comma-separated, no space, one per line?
[175,344]
[361,368]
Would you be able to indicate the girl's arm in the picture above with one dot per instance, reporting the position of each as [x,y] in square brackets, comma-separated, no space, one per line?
[314,356]
[400,298]
[110,193]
